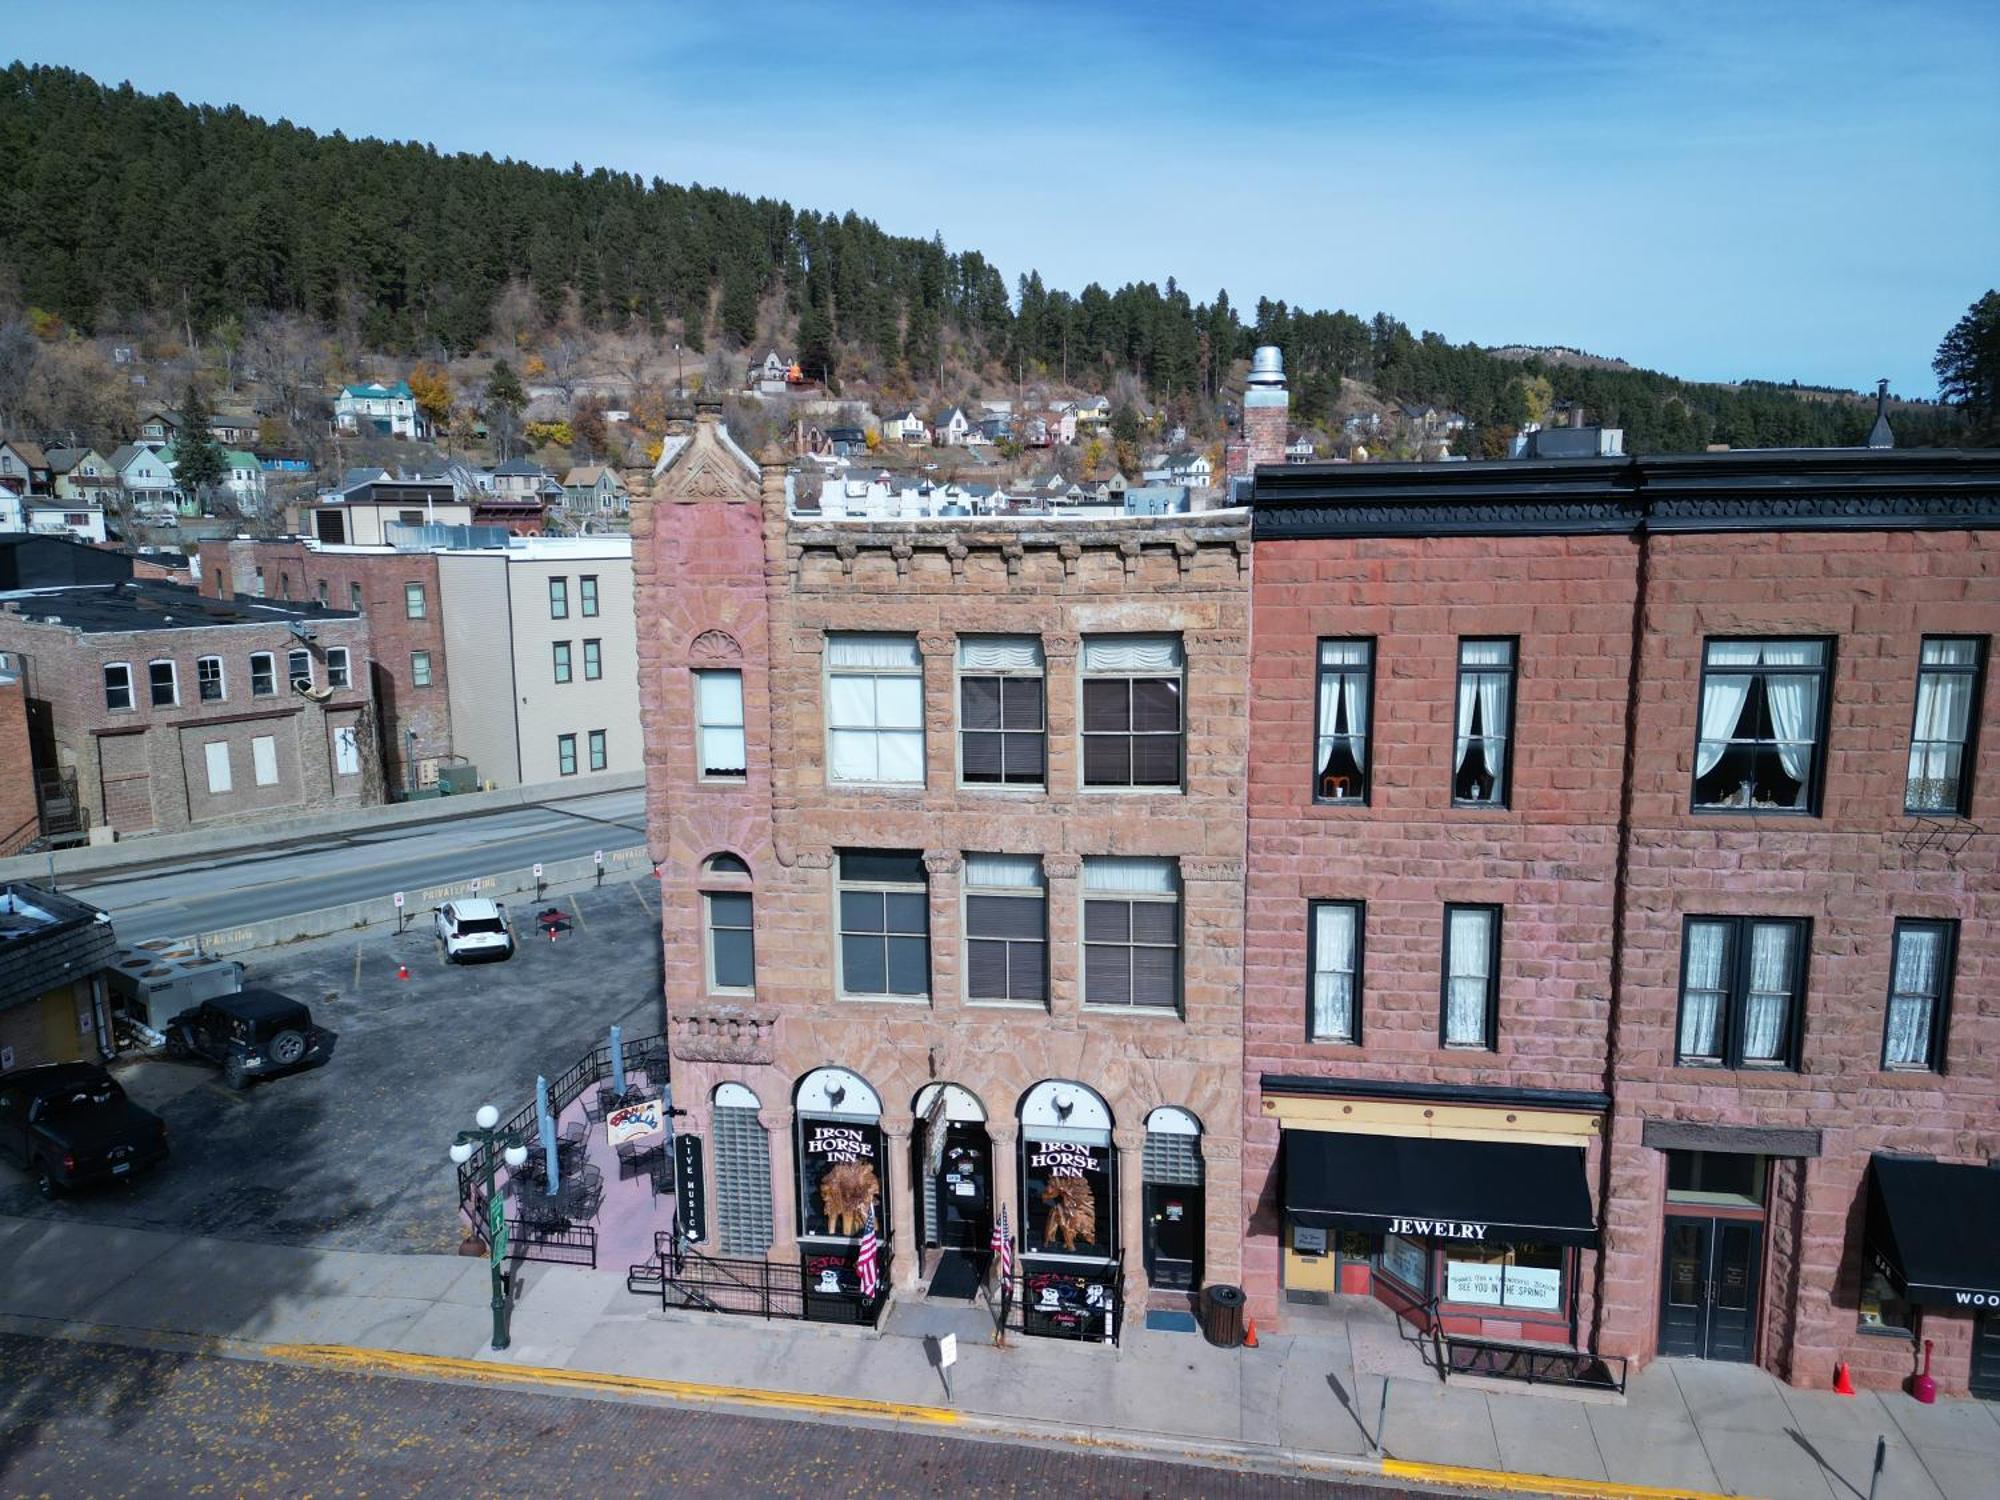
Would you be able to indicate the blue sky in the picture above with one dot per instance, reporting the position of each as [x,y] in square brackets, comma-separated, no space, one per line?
[1709,187]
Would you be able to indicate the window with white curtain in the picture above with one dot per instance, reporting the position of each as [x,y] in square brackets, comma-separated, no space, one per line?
[1006,928]
[1132,719]
[1334,1009]
[1472,976]
[1485,709]
[874,709]
[1131,933]
[1346,691]
[1742,984]
[1919,988]
[1001,714]
[1763,724]
[719,742]
[1941,739]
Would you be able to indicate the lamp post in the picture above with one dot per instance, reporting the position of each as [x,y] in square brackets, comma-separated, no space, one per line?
[498,1143]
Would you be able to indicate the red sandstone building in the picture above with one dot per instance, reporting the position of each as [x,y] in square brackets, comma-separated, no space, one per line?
[1623,906]
[949,820]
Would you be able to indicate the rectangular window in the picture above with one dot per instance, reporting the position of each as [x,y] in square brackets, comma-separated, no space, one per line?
[208,678]
[264,759]
[338,673]
[354,597]
[561,651]
[1131,933]
[875,709]
[719,733]
[593,661]
[263,674]
[299,668]
[732,944]
[1942,738]
[216,753]
[1334,937]
[885,924]
[1742,985]
[1485,708]
[1919,996]
[1001,715]
[413,601]
[1346,699]
[259,591]
[1881,1308]
[320,593]
[1472,977]
[164,683]
[1518,1275]
[1727,1179]
[558,598]
[420,669]
[1763,724]
[586,590]
[117,686]
[599,755]
[565,755]
[1132,710]
[1006,928]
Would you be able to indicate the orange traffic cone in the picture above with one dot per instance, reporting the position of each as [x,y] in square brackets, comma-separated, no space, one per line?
[1250,1334]
[1842,1385]
[402,971]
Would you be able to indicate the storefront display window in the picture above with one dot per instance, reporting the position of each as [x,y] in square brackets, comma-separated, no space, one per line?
[1528,1277]
[840,1177]
[1069,1198]
[1407,1261]
[1882,1308]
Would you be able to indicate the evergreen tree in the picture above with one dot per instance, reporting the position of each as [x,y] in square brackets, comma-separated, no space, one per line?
[1968,367]
[199,462]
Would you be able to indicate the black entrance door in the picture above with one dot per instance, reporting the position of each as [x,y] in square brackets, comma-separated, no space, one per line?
[1708,1291]
[1986,1356]
[965,1189]
[1173,1235]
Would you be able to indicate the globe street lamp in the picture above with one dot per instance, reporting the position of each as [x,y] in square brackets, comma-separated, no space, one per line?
[498,1144]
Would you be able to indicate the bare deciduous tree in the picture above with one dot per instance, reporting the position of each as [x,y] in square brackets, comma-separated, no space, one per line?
[17,364]
[289,360]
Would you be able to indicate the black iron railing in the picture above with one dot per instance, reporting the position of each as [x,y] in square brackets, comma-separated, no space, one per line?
[575,1245]
[1087,1306]
[1572,1368]
[686,1278]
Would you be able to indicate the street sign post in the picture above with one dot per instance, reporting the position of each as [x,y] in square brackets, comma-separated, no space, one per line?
[598,856]
[398,899]
[538,880]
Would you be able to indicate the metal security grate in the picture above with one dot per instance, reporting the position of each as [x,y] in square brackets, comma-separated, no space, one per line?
[742,1182]
[1173,1160]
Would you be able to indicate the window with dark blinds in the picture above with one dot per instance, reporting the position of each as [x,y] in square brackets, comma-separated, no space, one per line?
[1131,933]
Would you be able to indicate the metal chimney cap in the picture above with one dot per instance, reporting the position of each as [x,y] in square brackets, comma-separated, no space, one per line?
[1267,365]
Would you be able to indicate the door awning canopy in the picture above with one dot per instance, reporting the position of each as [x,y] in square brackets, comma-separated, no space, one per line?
[1422,1188]
[1934,1229]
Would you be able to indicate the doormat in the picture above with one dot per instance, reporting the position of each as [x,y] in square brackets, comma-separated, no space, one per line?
[957,1277]
[1171,1322]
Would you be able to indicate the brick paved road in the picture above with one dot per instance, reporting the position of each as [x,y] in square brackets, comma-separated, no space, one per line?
[102,1421]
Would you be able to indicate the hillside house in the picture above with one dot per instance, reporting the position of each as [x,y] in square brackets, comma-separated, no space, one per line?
[81,474]
[595,490]
[386,410]
[24,467]
[906,427]
[1182,467]
[950,429]
[148,482]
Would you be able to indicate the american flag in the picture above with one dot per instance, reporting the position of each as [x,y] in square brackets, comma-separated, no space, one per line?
[1003,1246]
[865,1263]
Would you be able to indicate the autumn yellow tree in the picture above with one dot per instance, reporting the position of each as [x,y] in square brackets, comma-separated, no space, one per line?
[431,385]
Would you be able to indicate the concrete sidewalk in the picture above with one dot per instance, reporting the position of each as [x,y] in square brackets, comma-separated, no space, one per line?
[1308,1399]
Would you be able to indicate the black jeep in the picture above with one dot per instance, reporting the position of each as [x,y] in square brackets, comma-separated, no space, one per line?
[70,1124]
[250,1035]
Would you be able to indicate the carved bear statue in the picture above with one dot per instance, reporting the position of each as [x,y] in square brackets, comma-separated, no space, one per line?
[845,1193]
[1072,1212]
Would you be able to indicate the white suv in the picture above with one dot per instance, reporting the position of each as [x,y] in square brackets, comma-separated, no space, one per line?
[474,929]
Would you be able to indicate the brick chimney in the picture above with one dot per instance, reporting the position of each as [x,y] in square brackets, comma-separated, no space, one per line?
[1266,408]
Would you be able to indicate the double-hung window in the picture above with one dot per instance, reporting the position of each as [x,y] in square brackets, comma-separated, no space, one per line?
[118,686]
[1763,725]
[558,598]
[1001,714]
[208,678]
[1472,977]
[354,597]
[1006,928]
[1132,933]
[1742,988]
[885,925]
[1132,723]
[1942,738]
[560,652]
[719,739]
[1346,691]
[420,669]
[1485,707]
[338,672]
[593,661]
[263,674]
[598,745]
[732,941]
[874,709]
[586,592]
[164,684]
[565,755]
[413,601]
[1919,996]
[299,668]
[1334,1007]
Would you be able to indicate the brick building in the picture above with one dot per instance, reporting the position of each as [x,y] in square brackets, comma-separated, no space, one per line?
[1621,958]
[167,709]
[949,819]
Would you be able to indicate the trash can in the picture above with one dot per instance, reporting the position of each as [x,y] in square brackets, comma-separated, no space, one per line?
[1222,1315]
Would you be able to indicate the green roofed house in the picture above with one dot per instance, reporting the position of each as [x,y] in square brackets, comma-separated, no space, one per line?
[389,410]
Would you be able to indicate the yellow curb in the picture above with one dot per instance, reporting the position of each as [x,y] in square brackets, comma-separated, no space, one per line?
[435,1366]
[1537,1484]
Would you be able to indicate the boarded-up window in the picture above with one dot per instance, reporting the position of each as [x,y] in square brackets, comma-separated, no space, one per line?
[264,756]
[346,751]
[217,754]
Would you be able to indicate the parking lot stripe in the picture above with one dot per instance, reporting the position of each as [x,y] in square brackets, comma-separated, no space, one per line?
[644,905]
[357,967]
[576,906]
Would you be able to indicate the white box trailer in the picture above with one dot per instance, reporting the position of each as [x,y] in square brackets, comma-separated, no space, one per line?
[152,988]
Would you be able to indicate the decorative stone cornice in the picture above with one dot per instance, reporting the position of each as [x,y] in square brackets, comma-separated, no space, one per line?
[1210,867]
[807,859]
[723,1034]
[1062,866]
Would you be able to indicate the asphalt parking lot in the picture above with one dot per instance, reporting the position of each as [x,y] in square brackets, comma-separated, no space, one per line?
[352,1155]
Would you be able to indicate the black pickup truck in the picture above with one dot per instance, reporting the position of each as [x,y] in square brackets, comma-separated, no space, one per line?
[70,1124]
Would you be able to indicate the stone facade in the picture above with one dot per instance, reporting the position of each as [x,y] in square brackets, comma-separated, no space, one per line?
[726,581]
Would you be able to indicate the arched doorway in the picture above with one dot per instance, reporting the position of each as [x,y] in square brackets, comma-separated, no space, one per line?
[843,1175]
[1174,1209]
[1069,1212]
[953,1168]
[742,1172]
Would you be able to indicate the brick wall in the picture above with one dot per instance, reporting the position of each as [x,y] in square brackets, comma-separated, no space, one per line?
[20,816]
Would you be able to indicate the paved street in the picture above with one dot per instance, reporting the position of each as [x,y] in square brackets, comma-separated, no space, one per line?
[106,1421]
[352,1155]
[180,896]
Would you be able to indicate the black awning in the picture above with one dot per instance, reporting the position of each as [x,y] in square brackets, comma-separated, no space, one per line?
[1490,1191]
[1934,1228]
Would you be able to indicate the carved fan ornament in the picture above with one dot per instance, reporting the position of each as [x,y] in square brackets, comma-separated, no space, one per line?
[714,646]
